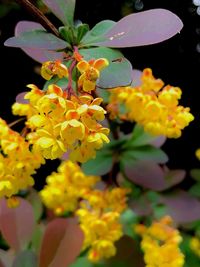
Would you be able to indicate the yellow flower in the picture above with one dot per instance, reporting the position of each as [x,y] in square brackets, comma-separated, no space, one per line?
[195,245]
[160,244]
[51,68]
[90,72]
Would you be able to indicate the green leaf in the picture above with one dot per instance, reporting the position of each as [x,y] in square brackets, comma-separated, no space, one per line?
[101,165]
[63,9]
[82,262]
[195,174]
[195,190]
[81,31]
[146,152]
[119,71]
[56,80]
[36,203]
[96,33]
[25,259]
[140,137]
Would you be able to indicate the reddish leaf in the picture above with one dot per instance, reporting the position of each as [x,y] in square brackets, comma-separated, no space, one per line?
[182,207]
[17,224]
[145,173]
[143,28]
[61,243]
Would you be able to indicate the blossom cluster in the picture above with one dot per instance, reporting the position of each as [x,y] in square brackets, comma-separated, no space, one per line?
[195,245]
[70,190]
[18,162]
[160,244]
[151,105]
[59,124]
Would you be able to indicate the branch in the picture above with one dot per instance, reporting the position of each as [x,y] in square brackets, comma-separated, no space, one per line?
[39,16]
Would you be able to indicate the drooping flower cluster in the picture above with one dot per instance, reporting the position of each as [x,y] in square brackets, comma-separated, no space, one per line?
[151,105]
[99,219]
[98,210]
[66,187]
[18,161]
[195,245]
[52,68]
[160,244]
[59,124]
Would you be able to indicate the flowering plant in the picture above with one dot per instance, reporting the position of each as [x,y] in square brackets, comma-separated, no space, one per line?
[108,203]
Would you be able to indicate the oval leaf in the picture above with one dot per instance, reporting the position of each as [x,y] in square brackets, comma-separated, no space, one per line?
[96,33]
[61,243]
[119,71]
[37,39]
[101,165]
[63,9]
[182,207]
[25,259]
[20,98]
[17,224]
[174,177]
[143,28]
[40,55]
[145,173]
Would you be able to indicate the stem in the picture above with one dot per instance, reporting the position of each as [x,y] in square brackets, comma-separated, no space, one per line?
[69,87]
[15,122]
[40,17]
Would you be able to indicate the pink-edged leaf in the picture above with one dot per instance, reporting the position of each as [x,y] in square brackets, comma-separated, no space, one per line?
[136,78]
[147,174]
[173,177]
[61,243]
[142,28]
[183,207]
[63,9]
[158,141]
[37,39]
[40,55]
[20,98]
[6,257]
[17,224]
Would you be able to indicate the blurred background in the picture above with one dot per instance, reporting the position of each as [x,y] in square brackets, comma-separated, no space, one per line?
[176,61]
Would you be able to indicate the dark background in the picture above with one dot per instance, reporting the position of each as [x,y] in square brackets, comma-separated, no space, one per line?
[176,61]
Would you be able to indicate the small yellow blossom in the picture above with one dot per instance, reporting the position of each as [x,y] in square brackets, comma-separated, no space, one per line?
[160,244]
[151,105]
[90,72]
[51,68]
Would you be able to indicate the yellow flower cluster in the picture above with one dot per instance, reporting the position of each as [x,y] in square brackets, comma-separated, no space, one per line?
[18,161]
[151,105]
[59,124]
[99,220]
[160,244]
[66,187]
[195,245]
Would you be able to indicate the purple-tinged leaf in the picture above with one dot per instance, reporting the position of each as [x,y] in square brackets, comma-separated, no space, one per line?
[62,243]
[17,224]
[158,141]
[183,207]
[141,206]
[63,9]
[37,39]
[142,28]
[147,174]
[20,98]
[119,71]
[136,78]
[25,259]
[40,55]
[173,177]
